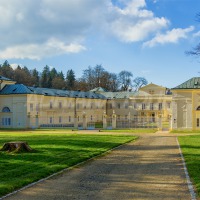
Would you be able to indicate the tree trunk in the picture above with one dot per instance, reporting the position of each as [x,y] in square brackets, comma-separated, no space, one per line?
[16,147]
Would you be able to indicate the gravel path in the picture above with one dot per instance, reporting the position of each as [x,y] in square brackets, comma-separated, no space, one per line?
[150,168]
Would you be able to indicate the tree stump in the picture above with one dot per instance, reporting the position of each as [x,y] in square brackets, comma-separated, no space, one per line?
[16,147]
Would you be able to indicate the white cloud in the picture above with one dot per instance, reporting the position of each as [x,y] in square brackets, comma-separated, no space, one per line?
[27,26]
[133,22]
[37,51]
[197,34]
[129,32]
[172,36]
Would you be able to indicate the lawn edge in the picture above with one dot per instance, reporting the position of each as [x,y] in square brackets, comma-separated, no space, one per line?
[189,183]
[67,169]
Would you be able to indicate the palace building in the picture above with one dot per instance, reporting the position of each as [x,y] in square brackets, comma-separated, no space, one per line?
[153,106]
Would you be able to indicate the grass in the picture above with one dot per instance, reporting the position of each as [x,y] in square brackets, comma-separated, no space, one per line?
[185,131]
[54,151]
[190,146]
[132,130]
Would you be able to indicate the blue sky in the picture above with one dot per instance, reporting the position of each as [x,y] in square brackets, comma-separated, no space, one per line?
[147,37]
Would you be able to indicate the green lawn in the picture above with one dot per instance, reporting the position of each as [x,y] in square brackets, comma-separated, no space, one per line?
[54,151]
[145,130]
[185,131]
[190,146]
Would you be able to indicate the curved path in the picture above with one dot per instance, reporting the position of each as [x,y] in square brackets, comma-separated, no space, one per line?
[150,168]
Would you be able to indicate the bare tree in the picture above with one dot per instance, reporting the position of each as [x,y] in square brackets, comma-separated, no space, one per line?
[124,79]
[138,82]
[196,50]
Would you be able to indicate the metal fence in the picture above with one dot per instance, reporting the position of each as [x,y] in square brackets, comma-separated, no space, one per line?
[137,122]
[120,123]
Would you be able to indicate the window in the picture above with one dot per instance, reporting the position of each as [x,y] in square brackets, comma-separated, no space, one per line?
[92,105]
[126,105]
[143,106]
[84,106]
[118,105]
[135,105]
[69,118]
[197,122]
[60,105]
[6,109]
[91,117]
[6,121]
[60,119]
[37,107]
[160,106]
[151,106]
[110,106]
[51,105]
[151,91]
[31,107]
[51,120]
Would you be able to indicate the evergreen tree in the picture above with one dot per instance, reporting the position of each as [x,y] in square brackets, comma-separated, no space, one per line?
[6,70]
[70,79]
[45,77]
[61,75]
[35,77]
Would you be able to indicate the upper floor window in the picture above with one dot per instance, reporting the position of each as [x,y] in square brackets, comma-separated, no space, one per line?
[151,106]
[37,107]
[151,92]
[31,107]
[160,106]
[51,105]
[168,105]
[143,106]
[118,105]
[6,109]
[60,105]
[126,105]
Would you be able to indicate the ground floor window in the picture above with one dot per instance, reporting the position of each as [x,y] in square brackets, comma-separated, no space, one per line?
[197,122]
[6,121]
[60,119]
[51,120]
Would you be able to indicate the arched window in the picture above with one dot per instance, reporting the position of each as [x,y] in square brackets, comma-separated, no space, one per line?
[198,108]
[6,109]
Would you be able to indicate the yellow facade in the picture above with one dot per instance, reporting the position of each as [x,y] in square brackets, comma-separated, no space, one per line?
[42,110]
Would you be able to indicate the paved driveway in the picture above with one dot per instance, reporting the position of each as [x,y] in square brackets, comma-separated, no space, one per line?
[150,168]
